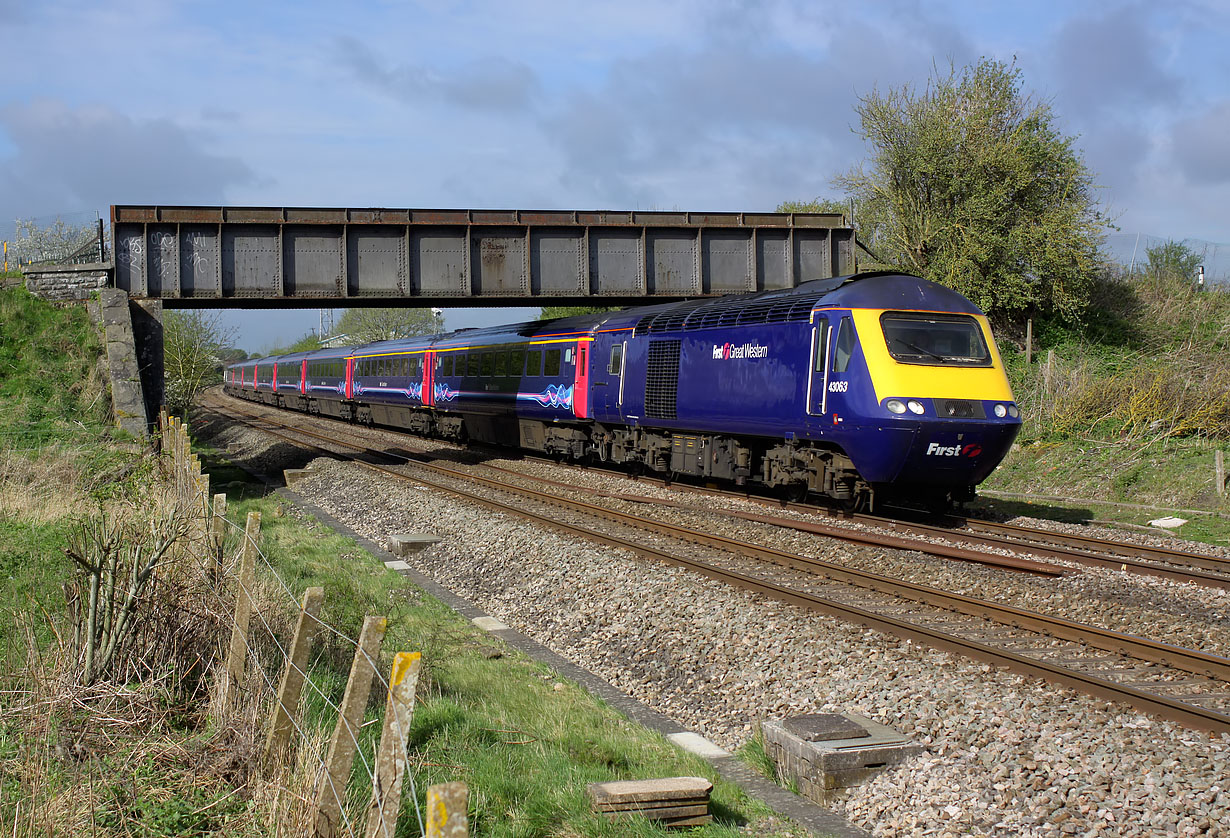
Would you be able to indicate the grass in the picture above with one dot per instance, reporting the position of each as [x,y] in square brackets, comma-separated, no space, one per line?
[524,740]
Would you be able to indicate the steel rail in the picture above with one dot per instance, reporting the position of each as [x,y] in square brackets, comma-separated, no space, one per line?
[1115,642]
[1079,549]
[1089,542]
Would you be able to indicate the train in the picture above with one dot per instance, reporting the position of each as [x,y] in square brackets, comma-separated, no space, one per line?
[863,389]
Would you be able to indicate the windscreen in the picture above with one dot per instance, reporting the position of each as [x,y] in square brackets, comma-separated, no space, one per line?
[935,339]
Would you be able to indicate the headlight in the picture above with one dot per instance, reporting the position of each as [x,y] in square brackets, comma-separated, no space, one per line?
[895,405]
[915,406]
[1001,411]
[1013,412]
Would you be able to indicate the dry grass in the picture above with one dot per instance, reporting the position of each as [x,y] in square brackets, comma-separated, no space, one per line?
[41,486]
[148,750]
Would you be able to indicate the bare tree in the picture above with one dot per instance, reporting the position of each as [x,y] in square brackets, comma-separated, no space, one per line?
[193,342]
[365,325]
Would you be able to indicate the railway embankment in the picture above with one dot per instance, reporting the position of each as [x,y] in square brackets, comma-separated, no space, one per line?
[145,745]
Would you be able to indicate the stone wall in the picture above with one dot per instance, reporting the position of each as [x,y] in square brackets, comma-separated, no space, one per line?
[67,282]
[127,394]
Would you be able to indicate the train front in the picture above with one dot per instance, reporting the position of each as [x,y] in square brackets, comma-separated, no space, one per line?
[942,401]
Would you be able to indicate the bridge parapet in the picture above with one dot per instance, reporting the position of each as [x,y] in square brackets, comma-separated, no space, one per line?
[287,256]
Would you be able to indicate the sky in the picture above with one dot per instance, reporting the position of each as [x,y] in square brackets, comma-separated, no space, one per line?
[702,105]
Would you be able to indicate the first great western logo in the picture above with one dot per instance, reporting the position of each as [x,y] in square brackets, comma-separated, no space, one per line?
[729,351]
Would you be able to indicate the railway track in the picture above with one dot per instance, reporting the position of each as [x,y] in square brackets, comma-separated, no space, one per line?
[1185,685]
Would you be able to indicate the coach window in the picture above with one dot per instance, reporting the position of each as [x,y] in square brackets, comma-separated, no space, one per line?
[446,365]
[533,363]
[485,368]
[500,364]
[472,366]
[845,345]
[516,361]
[551,363]
[616,365]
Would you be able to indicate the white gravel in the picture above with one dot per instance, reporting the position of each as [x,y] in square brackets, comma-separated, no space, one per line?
[1005,755]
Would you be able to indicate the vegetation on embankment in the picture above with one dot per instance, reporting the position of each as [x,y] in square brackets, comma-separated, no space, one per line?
[137,753]
[1129,407]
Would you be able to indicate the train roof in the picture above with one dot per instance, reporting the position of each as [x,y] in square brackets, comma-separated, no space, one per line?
[880,290]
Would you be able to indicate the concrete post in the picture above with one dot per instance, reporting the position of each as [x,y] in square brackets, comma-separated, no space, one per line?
[293,675]
[330,796]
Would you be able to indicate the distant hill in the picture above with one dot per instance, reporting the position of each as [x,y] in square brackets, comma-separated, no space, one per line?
[1121,247]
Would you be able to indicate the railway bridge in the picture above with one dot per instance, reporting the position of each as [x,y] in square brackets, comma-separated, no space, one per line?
[313,257]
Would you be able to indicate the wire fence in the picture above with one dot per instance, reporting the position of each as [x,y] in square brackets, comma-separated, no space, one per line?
[1131,251]
[67,238]
[259,676]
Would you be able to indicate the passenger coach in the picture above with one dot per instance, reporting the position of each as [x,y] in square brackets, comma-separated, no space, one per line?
[855,388]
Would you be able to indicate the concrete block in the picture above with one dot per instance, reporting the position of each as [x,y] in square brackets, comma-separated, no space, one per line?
[696,744]
[822,766]
[291,476]
[408,543]
[644,791]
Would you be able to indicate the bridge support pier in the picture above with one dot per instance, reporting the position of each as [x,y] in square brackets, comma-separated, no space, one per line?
[133,336]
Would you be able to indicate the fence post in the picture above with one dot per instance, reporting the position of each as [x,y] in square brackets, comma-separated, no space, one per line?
[391,757]
[330,796]
[237,657]
[446,811]
[218,535]
[1219,464]
[293,675]
[1029,341]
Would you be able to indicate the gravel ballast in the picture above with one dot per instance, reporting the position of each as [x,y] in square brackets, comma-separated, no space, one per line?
[1004,755]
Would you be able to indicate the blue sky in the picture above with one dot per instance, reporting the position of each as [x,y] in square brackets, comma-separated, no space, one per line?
[702,105]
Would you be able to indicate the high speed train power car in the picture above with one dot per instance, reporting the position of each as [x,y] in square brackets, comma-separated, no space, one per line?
[859,388]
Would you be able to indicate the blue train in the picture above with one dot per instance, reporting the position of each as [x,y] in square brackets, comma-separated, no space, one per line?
[859,388]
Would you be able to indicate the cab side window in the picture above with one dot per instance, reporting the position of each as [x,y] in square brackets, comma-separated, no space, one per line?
[845,345]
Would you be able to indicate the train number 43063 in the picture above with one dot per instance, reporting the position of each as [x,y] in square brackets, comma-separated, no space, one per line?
[839,386]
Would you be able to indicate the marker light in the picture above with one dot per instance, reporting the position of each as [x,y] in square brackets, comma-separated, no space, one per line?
[915,406]
[1001,411]
[895,406]
[1013,412]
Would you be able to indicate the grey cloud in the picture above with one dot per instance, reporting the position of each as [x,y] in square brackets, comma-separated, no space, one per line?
[489,84]
[773,121]
[87,158]
[1199,146]
[1111,61]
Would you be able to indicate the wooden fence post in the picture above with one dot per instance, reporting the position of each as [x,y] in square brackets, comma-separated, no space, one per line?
[446,811]
[237,657]
[391,757]
[330,796]
[1219,465]
[293,675]
[1029,341]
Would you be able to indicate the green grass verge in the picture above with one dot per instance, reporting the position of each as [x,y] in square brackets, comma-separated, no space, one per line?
[1167,475]
[525,741]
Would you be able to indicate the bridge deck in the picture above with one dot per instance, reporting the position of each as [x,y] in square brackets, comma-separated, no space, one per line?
[287,256]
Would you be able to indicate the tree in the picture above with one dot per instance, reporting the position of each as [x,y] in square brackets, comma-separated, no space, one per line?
[308,343]
[555,312]
[55,242]
[817,205]
[193,343]
[1173,260]
[365,325]
[971,185]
